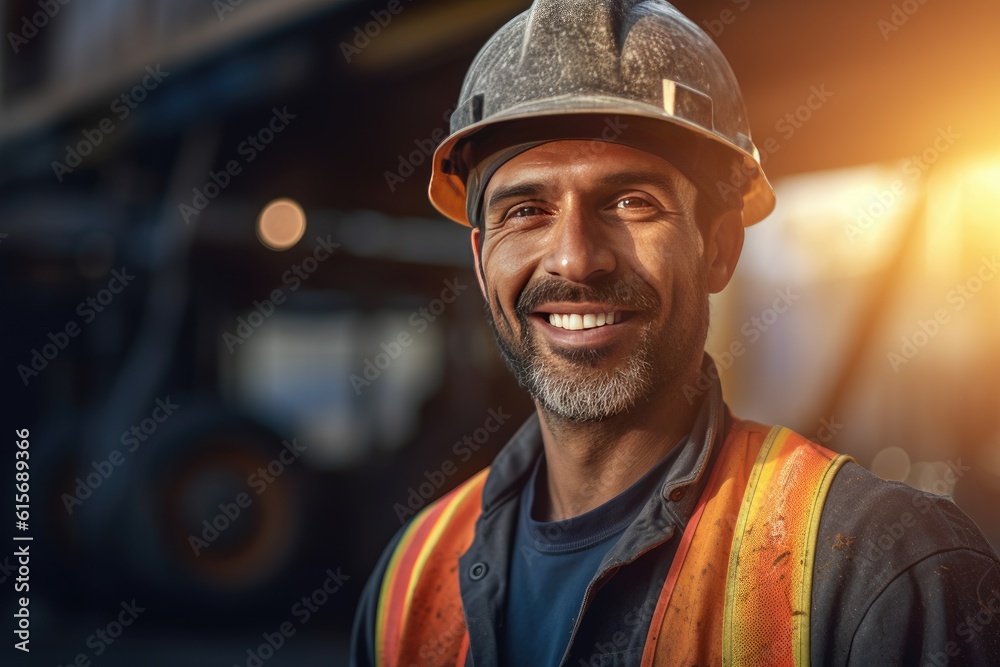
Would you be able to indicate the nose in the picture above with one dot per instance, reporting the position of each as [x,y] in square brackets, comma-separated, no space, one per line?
[579,247]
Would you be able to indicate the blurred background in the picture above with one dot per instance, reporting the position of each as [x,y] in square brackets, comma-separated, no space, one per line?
[246,348]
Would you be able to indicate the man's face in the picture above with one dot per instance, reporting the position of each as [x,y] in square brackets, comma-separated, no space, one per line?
[595,275]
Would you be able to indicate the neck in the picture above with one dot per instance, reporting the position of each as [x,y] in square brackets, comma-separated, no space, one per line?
[588,464]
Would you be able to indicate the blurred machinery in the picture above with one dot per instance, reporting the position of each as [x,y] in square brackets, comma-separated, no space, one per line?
[198,439]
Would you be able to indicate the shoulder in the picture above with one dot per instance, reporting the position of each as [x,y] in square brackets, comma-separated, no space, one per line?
[456,509]
[889,524]
[896,570]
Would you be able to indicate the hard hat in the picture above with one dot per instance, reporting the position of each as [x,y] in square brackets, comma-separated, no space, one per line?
[567,68]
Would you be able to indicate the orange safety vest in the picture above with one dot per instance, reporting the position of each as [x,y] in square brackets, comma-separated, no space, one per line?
[738,591]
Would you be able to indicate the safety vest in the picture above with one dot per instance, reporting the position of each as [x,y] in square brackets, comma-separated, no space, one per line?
[738,591]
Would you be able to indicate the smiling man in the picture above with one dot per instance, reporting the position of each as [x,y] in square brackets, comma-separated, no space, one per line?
[602,156]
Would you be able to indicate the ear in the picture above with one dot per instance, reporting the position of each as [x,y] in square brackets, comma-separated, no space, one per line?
[477,255]
[723,245]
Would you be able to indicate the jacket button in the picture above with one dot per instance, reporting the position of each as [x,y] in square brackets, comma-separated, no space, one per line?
[478,571]
[677,495]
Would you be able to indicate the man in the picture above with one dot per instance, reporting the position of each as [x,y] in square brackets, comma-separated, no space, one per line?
[601,154]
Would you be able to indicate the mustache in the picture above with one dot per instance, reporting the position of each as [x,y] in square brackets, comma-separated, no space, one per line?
[622,293]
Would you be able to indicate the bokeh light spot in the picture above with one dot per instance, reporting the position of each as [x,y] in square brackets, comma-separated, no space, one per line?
[281,224]
[892,463]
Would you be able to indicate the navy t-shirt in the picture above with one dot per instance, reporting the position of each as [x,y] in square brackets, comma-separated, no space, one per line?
[553,562]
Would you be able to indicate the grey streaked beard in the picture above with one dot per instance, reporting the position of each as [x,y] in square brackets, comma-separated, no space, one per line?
[586,396]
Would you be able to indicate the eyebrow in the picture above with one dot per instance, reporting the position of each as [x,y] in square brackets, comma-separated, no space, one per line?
[655,178]
[516,190]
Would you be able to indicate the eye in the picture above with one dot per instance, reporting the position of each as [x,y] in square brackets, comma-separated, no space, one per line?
[632,203]
[525,212]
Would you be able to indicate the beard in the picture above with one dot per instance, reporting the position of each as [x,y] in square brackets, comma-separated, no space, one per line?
[573,384]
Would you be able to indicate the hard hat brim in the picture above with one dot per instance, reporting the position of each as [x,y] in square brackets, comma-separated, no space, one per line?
[447,191]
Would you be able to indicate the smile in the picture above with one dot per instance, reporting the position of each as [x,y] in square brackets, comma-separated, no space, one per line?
[577,322]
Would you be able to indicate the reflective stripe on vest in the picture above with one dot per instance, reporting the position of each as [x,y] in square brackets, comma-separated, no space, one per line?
[738,591]
[419,620]
[750,542]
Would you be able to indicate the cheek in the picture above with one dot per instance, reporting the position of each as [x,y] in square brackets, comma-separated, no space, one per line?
[670,266]
[507,269]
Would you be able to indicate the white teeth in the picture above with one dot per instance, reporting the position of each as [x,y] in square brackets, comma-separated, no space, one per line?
[575,322]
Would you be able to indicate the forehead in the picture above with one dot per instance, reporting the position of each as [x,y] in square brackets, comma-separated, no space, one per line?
[582,162]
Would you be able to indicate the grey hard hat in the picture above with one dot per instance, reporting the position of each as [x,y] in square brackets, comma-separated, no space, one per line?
[563,68]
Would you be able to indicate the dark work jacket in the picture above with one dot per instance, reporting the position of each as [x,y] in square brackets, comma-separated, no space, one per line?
[901,577]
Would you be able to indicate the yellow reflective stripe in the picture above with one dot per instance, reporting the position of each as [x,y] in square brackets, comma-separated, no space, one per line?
[801,638]
[388,582]
[778,519]
[403,573]
[739,531]
[432,537]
